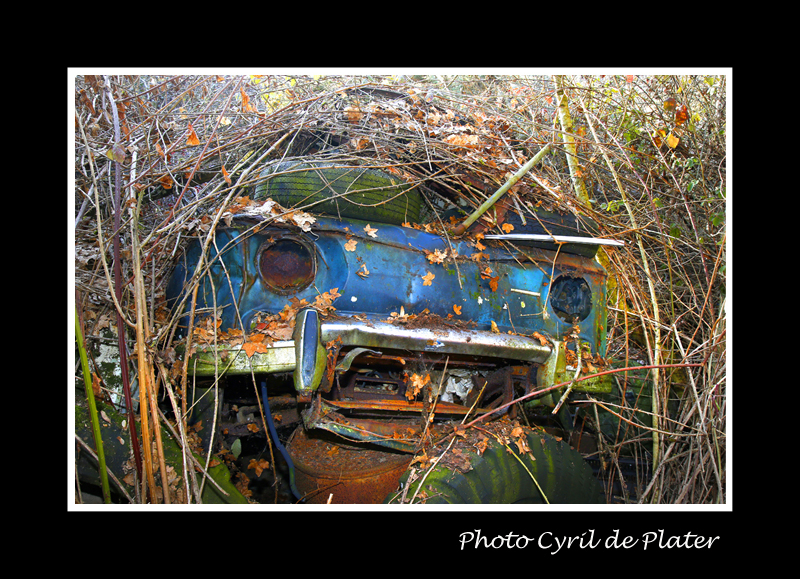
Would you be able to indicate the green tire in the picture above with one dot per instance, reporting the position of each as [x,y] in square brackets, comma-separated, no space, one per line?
[345,192]
[497,476]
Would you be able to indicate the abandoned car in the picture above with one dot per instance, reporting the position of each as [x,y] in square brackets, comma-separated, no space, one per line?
[392,362]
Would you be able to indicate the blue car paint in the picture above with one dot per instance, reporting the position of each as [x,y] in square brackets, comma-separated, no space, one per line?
[396,261]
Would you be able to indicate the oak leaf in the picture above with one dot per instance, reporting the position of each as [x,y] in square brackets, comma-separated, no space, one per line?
[258,465]
[416,383]
[437,256]
[251,348]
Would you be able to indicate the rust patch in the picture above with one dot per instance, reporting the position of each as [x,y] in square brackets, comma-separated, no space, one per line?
[328,466]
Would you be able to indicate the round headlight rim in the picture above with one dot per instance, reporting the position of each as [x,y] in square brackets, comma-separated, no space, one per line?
[553,300]
[306,281]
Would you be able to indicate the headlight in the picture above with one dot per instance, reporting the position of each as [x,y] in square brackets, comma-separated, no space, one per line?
[286,265]
[571,298]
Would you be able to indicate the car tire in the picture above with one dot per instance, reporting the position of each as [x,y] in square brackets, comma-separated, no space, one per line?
[345,192]
[503,475]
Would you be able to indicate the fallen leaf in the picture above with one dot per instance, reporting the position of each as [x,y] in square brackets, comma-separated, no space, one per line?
[428,279]
[258,465]
[351,245]
[422,459]
[251,348]
[437,256]
[495,329]
[166,182]
[457,309]
[416,383]
[192,139]
[371,231]
[303,220]
[542,340]
[507,227]
[353,114]
[363,274]
[324,302]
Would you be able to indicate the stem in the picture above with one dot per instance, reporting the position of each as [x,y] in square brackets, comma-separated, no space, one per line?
[98,439]
[500,192]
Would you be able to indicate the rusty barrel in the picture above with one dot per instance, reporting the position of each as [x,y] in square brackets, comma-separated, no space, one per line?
[329,467]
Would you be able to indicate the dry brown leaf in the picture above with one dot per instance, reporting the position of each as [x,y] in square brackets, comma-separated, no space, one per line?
[351,244]
[542,339]
[416,383]
[371,231]
[192,139]
[438,256]
[428,279]
[258,465]
[251,348]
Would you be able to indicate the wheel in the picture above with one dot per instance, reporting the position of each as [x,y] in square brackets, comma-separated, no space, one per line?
[345,192]
[550,473]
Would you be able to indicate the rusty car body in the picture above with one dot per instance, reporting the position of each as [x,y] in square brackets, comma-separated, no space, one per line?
[390,333]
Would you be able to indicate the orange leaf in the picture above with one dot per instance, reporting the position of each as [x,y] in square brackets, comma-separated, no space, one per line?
[682,115]
[428,279]
[507,227]
[251,348]
[166,182]
[672,141]
[437,256]
[417,382]
[351,245]
[457,309]
[493,283]
[226,176]
[192,139]
[258,465]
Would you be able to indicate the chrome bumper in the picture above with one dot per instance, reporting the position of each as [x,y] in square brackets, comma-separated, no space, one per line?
[281,356]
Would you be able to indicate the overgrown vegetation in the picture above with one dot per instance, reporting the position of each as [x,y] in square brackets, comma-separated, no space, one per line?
[159,160]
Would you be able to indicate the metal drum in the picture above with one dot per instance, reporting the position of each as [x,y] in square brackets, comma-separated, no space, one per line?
[331,469]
